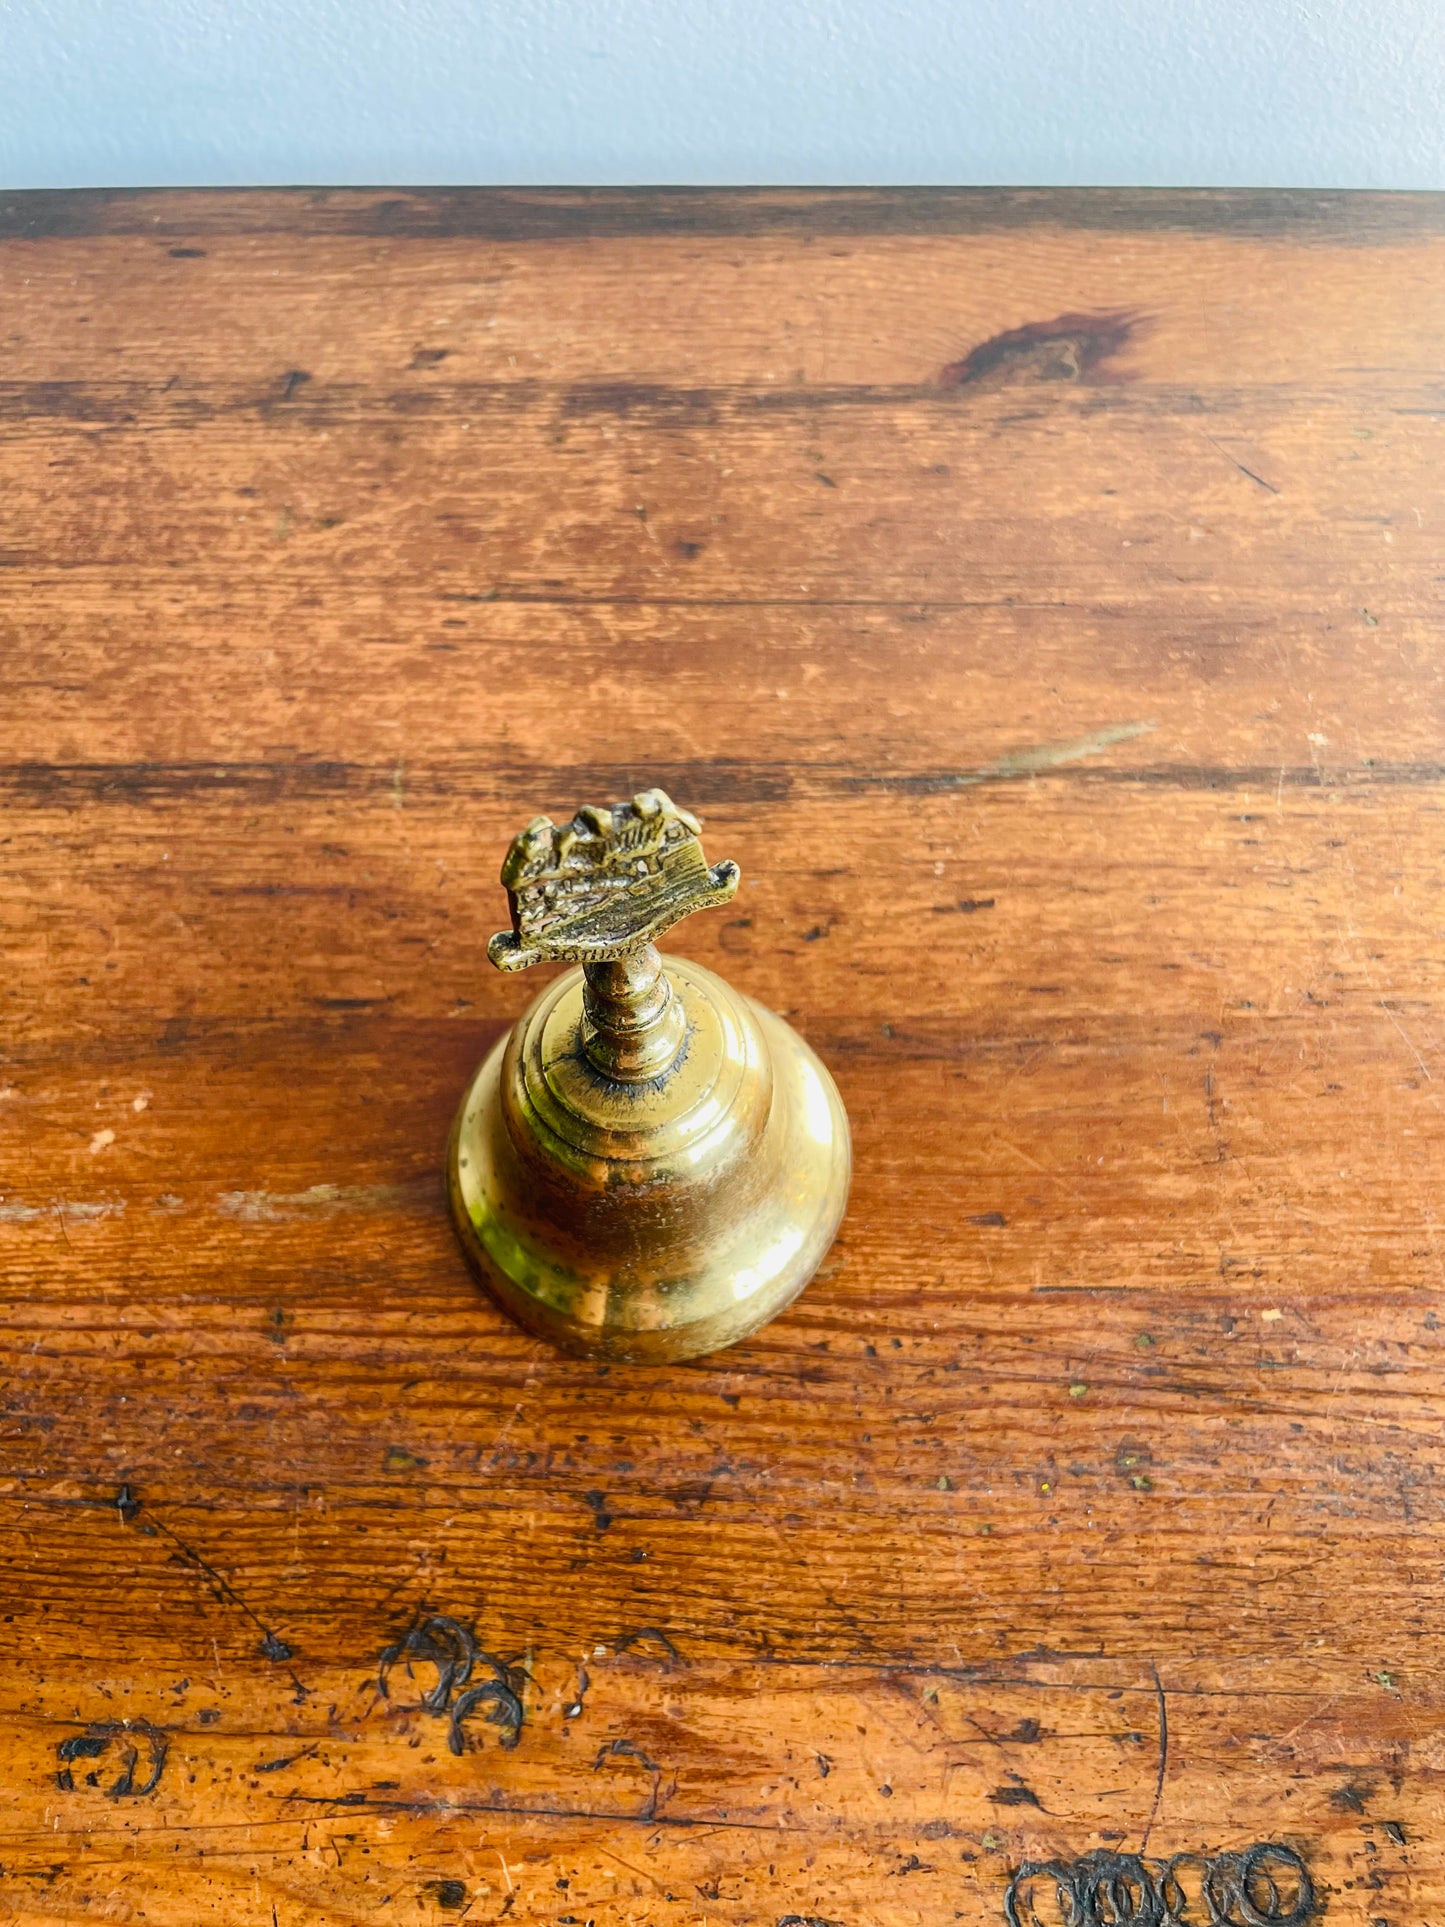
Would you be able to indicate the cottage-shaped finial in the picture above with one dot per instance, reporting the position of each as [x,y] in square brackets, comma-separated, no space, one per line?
[605,884]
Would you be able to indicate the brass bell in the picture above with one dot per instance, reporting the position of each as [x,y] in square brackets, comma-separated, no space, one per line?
[649,1165]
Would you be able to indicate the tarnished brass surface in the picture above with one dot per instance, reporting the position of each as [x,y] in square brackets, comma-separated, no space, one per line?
[649,1165]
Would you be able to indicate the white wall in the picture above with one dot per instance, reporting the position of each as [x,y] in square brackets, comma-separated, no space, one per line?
[1320,93]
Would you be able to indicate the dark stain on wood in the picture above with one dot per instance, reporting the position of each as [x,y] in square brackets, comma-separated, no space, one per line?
[1071,347]
[1017,1795]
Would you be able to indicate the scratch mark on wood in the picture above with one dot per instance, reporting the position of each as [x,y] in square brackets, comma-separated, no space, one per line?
[1253,477]
[1235,462]
[87,1212]
[1032,761]
[701,1824]
[1025,762]
[272,1646]
[1163,1756]
[323,1200]
[573,1710]
[1408,1041]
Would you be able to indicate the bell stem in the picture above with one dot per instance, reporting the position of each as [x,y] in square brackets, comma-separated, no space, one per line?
[633,1024]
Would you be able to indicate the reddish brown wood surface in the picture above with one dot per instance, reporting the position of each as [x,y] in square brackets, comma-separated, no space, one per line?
[1041,597]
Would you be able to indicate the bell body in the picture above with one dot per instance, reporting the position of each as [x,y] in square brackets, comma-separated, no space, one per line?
[649,1218]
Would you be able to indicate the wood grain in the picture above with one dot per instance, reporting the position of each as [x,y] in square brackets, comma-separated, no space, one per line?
[1041,597]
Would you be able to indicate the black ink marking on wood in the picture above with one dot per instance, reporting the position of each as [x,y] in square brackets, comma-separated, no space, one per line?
[140,1746]
[630,1750]
[452,1648]
[506,1713]
[290,1759]
[656,1637]
[596,1504]
[1016,1796]
[1267,1885]
[436,1641]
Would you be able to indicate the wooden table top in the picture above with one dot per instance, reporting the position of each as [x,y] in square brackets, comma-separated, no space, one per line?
[1040,595]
